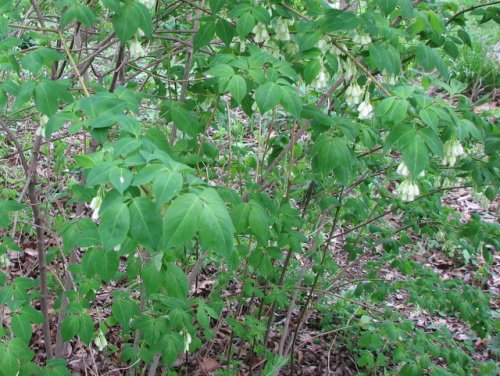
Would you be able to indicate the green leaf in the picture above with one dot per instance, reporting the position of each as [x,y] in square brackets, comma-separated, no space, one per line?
[291,101]
[215,225]
[70,327]
[152,278]
[432,140]
[106,264]
[221,70]
[145,20]
[9,364]
[34,60]
[99,173]
[429,59]
[126,23]
[216,5]
[268,96]
[239,217]
[86,332]
[181,219]
[57,121]
[45,97]
[415,155]
[176,282]
[307,41]
[259,223]
[237,87]
[148,173]
[166,186]
[225,31]
[399,136]
[129,124]
[79,12]
[125,146]
[311,70]
[387,6]
[21,326]
[333,155]
[114,225]
[120,178]
[245,24]
[204,35]
[145,223]
[186,122]
[123,310]
[337,20]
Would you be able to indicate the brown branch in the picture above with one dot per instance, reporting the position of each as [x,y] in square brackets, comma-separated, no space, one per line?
[30,169]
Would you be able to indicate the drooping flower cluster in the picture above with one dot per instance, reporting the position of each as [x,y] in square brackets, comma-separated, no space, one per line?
[136,50]
[403,170]
[40,131]
[408,190]
[261,34]
[361,39]
[452,150]
[349,70]
[365,109]
[321,79]
[282,32]
[353,94]
[4,261]
[100,341]
[95,205]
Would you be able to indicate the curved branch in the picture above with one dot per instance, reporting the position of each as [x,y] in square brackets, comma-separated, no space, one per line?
[470,9]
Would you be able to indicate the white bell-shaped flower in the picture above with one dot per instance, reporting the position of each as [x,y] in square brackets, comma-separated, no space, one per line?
[362,39]
[365,110]
[100,341]
[282,32]
[403,169]
[261,34]
[321,81]
[136,49]
[95,205]
[353,94]
[452,150]
[408,190]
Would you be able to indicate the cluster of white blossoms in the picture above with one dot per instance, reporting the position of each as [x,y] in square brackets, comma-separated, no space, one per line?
[365,109]
[353,94]
[403,170]
[321,79]
[261,34]
[349,70]
[95,205]
[390,79]
[4,261]
[100,341]
[452,150]
[408,190]
[362,39]
[40,131]
[282,32]
[136,50]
